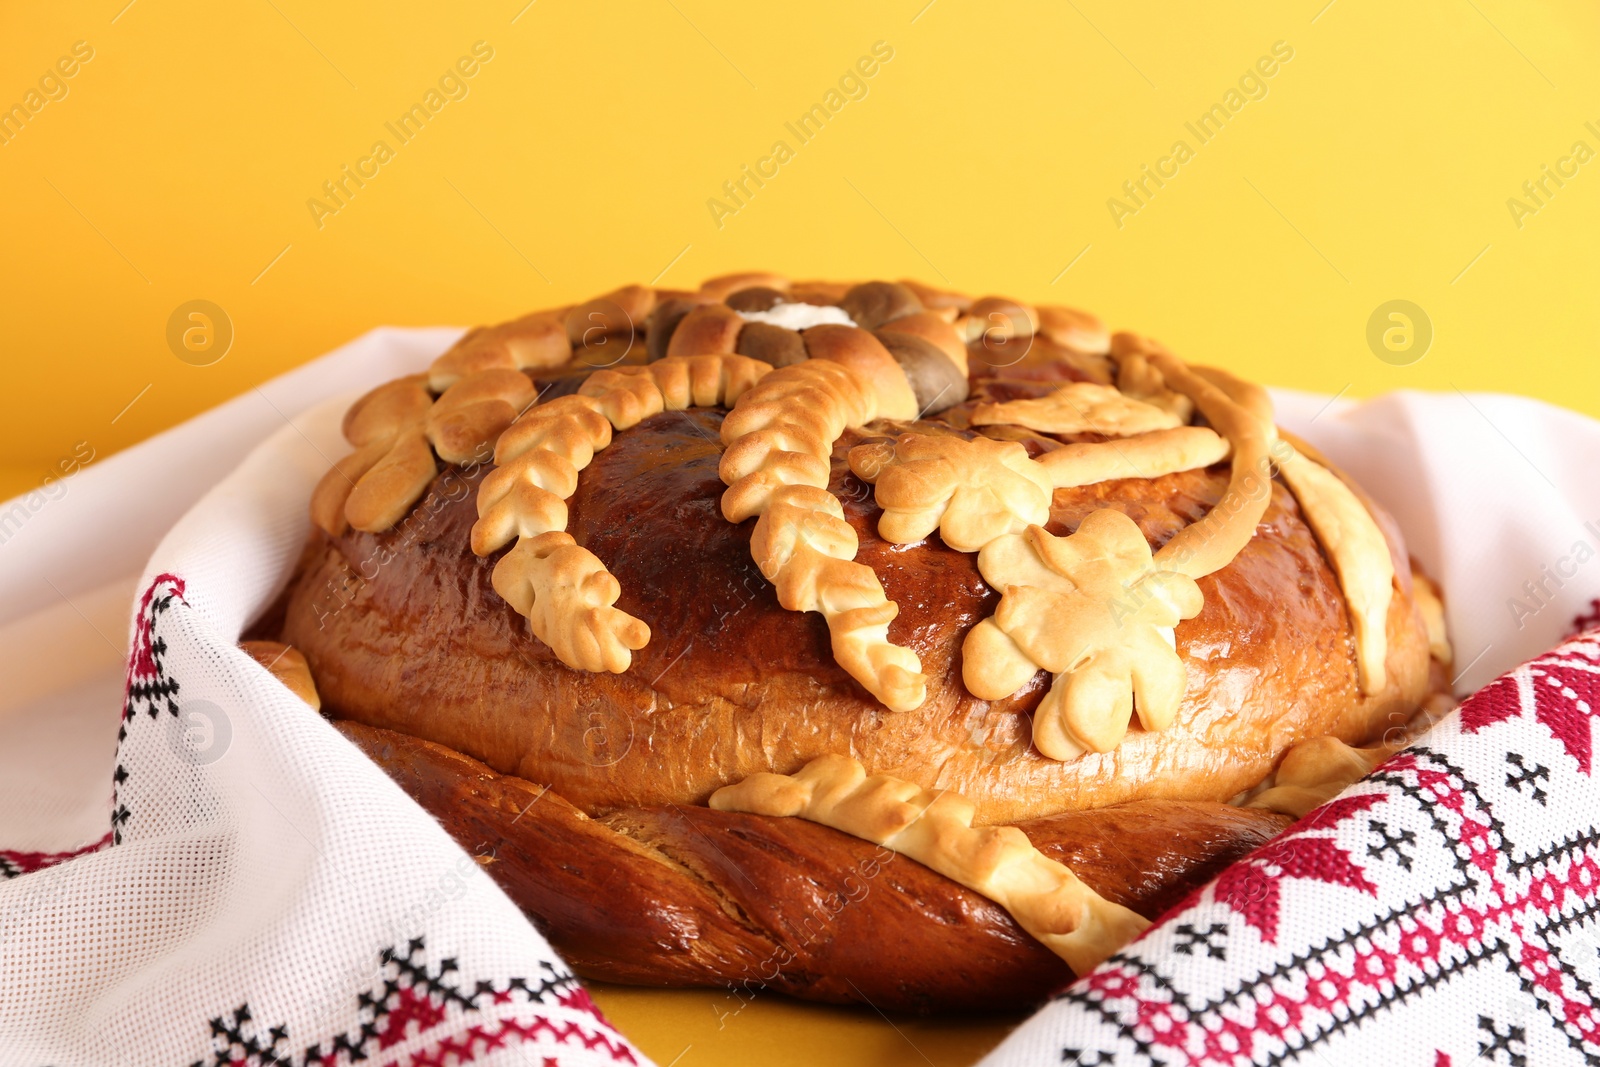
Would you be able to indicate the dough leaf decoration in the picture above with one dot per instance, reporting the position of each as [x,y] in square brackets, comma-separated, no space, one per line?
[1079,407]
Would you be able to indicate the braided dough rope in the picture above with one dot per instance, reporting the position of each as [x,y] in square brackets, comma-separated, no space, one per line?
[396,429]
[1079,407]
[934,827]
[562,588]
[780,438]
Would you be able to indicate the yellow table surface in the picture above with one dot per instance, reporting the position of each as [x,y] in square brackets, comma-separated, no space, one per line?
[1363,152]
[709,1028]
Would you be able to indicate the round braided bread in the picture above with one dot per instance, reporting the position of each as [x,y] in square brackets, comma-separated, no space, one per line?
[973,609]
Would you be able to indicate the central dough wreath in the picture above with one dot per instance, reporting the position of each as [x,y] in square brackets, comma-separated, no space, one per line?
[796,369]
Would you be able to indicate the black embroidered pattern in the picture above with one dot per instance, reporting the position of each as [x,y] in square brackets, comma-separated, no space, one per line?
[411,991]
[1501,1042]
[1388,843]
[1076,1056]
[1510,1043]
[149,689]
[1192,940]
[1527,776]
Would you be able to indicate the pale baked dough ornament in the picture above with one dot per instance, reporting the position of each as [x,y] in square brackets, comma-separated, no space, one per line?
[1095,610]
[1091,608]
[1359,554]
[779,438]
[1079,407]
[934,827]
[564,590]
[970,491]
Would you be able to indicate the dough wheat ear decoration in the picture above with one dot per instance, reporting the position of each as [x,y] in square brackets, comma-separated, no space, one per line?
[934,827]
[562,588]
[780,438]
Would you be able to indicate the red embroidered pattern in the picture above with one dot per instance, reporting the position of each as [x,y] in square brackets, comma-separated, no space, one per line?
[423,1016]
[1563,690]
[1407,953]
[1413,886]
[1588,620]
[15,863]
[422,1012]
[148,687]
[1251,886]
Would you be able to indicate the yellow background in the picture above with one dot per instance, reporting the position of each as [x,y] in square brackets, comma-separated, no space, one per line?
[1378,166]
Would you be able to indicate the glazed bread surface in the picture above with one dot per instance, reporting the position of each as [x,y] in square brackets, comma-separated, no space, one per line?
[404,631]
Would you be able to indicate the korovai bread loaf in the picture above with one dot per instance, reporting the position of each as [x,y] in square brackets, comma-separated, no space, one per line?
[744,585]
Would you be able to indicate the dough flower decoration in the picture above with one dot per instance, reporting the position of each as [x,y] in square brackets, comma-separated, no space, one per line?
[458,409]
[396,430]
[1098,609]
[971,491]
[1094,609]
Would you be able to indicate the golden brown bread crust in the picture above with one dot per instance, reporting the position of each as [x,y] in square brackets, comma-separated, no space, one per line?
[405,631]
[734,684]
[683,895]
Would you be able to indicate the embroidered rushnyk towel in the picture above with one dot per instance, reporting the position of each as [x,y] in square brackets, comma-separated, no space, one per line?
[248,889]
[1445,911]
[197,869]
